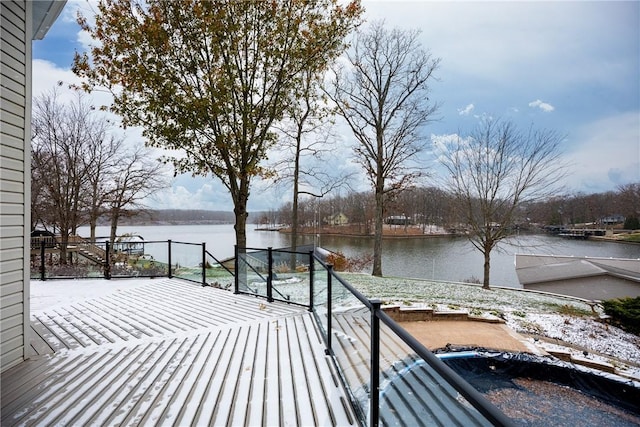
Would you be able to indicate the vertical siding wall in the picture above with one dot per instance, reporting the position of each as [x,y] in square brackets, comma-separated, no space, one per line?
[15,70]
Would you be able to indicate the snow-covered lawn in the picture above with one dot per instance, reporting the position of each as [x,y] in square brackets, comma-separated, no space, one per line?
[569,322]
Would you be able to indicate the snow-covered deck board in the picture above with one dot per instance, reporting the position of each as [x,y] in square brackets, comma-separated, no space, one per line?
[174,353]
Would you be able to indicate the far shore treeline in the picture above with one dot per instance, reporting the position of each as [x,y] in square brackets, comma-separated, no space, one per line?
[174,217]
[419,205]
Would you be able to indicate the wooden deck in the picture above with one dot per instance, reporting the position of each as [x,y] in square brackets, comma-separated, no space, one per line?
[174,353]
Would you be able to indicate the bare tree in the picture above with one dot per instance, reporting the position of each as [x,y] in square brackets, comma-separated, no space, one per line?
[307,145]
[496,169]
[101,163]
[136,177]
[359,207]
[41,205]
[383,95]
[629,195]
[61,132]
[80,172]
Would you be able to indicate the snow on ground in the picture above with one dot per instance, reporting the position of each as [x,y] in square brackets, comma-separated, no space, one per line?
[570,320]
[585,332]
[53,293]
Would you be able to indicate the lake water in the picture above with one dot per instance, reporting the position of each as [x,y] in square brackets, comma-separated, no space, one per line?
[439,258]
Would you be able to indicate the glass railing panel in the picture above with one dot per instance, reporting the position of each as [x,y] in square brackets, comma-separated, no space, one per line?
[186,261]
[218,275]
[80,260]
[145,259]
[351,341]
[291,277]
[253,270]
[320,275]
[35,267]
[413,393]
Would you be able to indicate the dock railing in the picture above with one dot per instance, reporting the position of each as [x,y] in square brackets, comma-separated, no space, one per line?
[390,377]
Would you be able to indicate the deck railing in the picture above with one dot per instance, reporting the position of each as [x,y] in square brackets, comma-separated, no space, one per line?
[105,259]
[391,378]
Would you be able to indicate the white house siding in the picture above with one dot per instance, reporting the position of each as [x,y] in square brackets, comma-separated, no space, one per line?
[15,97]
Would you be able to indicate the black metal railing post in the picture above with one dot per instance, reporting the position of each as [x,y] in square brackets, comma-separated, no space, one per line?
[42,255]
[374,393]
[311,267]
[204,264]
[329,349]
[169,256]
[270,274]
[236,285]
[107,261]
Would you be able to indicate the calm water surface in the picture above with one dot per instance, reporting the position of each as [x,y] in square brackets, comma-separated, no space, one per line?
[439,258]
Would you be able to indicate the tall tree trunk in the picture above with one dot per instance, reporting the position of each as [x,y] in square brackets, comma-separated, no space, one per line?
[92,227]
[377,236]
[294,226]
[294,207]
[64,242]
[115,215]
[240,227]
[487,267]
[240,210]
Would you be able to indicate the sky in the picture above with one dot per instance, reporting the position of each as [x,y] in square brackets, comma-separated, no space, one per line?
[568,66]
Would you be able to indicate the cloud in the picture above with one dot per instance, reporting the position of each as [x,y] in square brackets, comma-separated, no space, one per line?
[466,110]
[547,108]
[47,76]
[600,156]
[512,39]
[444,143]
[193,193]
[84,39]
[587,66]
[606,153]
[207,192]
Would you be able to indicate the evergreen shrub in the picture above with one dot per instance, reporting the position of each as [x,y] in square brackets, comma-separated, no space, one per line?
[625,313]
[632,223]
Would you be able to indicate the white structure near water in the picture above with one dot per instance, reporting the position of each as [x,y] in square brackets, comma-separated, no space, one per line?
[583,277]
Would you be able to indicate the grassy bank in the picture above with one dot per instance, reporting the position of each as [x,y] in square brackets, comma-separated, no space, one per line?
[565,319]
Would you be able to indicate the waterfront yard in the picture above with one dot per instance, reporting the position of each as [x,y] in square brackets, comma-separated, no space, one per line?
[553,321]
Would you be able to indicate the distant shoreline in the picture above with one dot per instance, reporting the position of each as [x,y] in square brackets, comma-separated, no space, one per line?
[400,234]
[388,232]
[368,236]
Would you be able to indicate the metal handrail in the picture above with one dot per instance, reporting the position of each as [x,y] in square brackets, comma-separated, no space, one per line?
[475,398]
[46,244]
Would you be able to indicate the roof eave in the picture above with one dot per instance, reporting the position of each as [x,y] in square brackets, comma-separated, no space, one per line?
[44,14]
